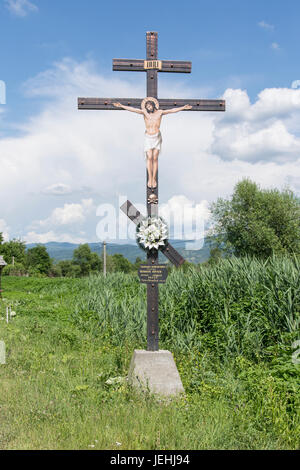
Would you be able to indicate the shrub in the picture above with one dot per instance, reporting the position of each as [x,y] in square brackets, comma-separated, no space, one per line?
[17,269]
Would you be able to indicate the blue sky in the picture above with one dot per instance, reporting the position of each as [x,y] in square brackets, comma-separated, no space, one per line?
[53,51]
[222,38]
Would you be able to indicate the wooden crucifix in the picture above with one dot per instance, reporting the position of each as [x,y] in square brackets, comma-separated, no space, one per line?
[152,109]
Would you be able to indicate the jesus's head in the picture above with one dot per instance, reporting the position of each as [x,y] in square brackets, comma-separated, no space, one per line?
[150,106]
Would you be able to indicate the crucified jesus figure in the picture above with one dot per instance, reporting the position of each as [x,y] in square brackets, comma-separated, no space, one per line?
[153,140]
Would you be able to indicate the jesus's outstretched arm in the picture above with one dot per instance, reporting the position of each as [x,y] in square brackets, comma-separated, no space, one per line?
[128,108]
[176,110]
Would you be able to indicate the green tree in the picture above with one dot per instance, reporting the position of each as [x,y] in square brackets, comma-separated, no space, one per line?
[38,258]
[13,249]
[55,271]
[68,269]
[87,261]
[215,256]
[121,264]
[258,222]
[65,267]
[137,263]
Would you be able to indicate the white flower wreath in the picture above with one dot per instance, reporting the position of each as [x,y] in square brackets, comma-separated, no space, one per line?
[152,232]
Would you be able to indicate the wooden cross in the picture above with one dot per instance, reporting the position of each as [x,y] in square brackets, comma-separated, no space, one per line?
[152,65]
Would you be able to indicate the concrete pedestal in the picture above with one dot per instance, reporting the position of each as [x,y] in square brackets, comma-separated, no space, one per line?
[155,371]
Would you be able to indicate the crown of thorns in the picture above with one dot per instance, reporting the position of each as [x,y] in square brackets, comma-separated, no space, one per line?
[151,100]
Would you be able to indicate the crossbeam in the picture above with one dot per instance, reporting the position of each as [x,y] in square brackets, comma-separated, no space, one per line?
[140,65]
[107,103]
[152,65]
[168,250]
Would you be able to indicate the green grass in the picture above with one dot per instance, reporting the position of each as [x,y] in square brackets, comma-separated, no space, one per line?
[71,335]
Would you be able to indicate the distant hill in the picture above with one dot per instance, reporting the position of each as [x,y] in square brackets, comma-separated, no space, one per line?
[64,251]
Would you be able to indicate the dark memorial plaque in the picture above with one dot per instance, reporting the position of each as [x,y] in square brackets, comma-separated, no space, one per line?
[153,274]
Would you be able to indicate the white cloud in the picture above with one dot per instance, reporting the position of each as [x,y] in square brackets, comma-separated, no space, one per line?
[4,229]
[186,218]
[68,214]
[247,143]
[264,131]
[58,189]
[61,150]
[265,25]
[21,7]
[33,237]
[271,103]
[275,46]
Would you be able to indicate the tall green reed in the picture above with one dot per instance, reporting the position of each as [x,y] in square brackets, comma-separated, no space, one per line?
[238,306]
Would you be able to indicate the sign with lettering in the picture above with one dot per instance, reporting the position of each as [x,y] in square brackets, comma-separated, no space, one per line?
[152,64]
[153,273]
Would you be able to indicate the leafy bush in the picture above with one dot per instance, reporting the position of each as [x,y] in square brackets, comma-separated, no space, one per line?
[258,222]
[17,269]
[35,272]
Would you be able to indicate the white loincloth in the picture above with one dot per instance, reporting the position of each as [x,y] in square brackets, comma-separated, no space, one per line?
[152,142]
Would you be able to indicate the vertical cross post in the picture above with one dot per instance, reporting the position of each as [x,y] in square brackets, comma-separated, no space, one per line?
[152,54]
[152,209]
